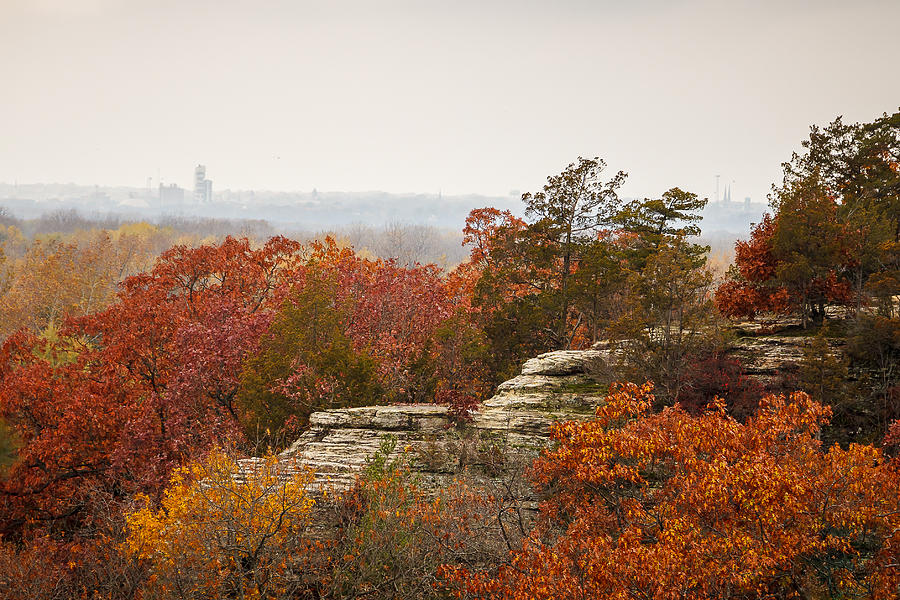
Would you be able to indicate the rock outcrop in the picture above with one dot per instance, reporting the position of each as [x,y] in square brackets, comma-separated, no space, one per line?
[765,357]
[512,426]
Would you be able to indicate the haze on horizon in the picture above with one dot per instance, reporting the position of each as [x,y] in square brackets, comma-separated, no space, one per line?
[463,97]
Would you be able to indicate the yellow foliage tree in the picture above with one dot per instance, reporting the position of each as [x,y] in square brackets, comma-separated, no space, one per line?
[222,531]
[54,279]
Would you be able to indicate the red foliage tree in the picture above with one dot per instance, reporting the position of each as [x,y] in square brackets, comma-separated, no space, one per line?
[718,376]
[131,391]
[400,317]
[752,288]
[69,428]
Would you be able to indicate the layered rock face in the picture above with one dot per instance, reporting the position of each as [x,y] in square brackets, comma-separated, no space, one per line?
[508,429]
[765,357]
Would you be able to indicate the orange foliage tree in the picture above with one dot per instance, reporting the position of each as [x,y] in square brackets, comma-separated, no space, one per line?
[670,505]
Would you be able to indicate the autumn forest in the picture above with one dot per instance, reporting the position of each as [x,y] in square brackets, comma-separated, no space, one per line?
[144,367]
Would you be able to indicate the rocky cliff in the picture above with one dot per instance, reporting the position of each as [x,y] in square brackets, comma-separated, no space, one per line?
[509,428]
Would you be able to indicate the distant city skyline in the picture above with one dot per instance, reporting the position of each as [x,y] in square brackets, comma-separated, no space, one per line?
[173,193]
[309,210]
[425,97]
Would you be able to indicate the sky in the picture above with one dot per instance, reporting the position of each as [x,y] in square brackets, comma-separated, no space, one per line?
[425,96]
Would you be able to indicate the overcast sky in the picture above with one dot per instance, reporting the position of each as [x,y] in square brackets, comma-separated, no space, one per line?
[458,96]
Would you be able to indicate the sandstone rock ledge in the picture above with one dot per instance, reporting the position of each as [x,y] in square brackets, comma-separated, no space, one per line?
[765,357]
[510,428]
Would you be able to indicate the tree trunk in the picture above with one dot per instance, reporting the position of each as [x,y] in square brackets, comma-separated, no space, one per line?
[564,287]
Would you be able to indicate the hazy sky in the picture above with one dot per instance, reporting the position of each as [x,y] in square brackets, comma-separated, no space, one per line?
[459,96]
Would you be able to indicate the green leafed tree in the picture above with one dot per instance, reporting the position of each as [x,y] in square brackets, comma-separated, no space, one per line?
[858,165]
[566,216]
[306,362]
[808,245]
[654,221]
[668,318]
[7,447]
[597,286]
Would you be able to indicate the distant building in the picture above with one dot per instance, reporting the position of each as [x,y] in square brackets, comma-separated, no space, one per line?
[202,186]
[171,195]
